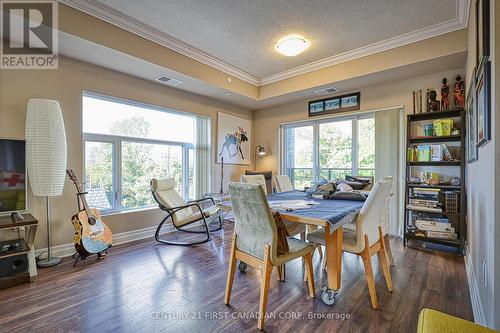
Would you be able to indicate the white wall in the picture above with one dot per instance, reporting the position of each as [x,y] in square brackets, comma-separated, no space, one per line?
[482,185]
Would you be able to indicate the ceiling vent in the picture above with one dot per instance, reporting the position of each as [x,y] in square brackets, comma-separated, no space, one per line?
[326,91]
[168,80]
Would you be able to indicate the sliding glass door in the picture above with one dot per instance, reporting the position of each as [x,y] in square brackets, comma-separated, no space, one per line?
[328,149]
[299,161]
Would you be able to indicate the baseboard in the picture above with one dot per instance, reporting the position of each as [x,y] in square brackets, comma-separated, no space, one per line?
[68,249]
[475,298]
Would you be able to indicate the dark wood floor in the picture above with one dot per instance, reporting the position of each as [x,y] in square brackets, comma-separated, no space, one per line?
[148,287]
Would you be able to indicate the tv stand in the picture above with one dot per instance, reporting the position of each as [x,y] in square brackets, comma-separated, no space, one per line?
[29,223]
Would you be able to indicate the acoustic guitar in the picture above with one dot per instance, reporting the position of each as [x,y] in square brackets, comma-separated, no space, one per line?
[92,235]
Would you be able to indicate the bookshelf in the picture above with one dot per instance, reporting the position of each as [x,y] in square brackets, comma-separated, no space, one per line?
[435,213]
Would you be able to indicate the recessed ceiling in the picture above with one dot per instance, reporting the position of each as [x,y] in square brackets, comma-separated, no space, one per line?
[242,34]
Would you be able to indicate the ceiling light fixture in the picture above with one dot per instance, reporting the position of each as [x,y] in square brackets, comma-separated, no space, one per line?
[292,45]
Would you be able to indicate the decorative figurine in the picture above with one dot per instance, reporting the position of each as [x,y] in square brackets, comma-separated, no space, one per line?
[433,103]
[459,92]
[445,92]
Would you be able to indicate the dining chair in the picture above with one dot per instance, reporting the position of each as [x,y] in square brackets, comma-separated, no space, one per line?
[282,183]
[255,179]
[367,238]
[268,176]
[184,214]
[293,228]
[255,242]
[384,220]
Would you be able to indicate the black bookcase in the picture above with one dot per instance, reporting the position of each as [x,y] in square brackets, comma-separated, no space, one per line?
[414,235]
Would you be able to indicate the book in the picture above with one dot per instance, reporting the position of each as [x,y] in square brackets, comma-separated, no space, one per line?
[426,218]
[443,235]
[446,153]
[436,153]
[425,209]
[425,203]
[433,223]
[423,153]
[434,228]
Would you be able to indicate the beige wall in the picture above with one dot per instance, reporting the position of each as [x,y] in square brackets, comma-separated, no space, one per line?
[398,93]
[66,85]
[482,198]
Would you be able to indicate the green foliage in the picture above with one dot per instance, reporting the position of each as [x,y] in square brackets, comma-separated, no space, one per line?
[335,151]
[140,163]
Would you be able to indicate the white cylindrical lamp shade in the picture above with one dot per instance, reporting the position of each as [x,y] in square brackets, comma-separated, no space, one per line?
[45,147]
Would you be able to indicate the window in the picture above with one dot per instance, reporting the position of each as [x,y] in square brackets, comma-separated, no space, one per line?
[329,149]
[299,159]
[127,144]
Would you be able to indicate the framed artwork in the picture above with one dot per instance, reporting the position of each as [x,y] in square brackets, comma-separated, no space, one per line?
[483,103]
[337,104]
[316,107]
[482,31]
[471,119]
[233,139]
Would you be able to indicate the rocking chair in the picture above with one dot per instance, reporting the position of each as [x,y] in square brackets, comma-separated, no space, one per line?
[184,214]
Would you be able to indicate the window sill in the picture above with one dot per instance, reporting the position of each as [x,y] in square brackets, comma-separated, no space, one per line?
[129,211]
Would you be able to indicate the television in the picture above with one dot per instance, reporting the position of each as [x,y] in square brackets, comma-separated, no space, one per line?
[12,176]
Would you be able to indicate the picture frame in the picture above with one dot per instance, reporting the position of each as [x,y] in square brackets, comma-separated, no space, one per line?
[333,105]
[482,31]
[471,120]
[234,137]
[483,103]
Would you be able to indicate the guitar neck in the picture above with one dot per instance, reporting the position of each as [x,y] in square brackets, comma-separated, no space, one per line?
[83,200]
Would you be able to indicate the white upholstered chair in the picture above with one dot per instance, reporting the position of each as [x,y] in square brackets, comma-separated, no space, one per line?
[182,213]
[255,179]
[293,228]
[282,183]
[255,241]
[384,220]
[367,238]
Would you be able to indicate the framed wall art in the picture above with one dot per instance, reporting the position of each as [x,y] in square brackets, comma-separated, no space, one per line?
[233,139]
[337,104]
[483,103]
[471,119]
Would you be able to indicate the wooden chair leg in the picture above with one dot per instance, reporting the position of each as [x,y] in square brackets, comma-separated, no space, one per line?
[310,274]
[385,261]
[323,265]
[370,279]
[388,250]
[230,272]
[281,272]
[264,290]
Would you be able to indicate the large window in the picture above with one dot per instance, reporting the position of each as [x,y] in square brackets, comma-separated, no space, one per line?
[329,149]
[127,144]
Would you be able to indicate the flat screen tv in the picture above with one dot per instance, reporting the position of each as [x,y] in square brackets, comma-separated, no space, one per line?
[12,176]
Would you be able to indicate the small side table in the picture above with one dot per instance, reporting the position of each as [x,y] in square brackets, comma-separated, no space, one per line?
[29,224]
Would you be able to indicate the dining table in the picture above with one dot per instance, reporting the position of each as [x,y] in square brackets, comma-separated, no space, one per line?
[332,215]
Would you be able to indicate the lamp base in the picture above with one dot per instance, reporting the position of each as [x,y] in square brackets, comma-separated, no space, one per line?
[49,262]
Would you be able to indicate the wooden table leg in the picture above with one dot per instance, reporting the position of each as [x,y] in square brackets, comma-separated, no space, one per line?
[333,246]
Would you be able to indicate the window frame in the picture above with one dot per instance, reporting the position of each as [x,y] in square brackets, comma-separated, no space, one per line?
[316,168]
[117,140]
[117,164]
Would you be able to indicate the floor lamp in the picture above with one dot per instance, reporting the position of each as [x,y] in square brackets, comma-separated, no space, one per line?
[46,157]
[259,151]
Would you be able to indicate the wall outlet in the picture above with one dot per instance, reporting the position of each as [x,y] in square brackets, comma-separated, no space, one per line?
[484,270]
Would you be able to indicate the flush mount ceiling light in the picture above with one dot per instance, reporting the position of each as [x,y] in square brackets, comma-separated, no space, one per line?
[292,45]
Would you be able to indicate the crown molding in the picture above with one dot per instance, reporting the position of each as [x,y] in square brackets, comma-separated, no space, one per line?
[460,22]
[129,24]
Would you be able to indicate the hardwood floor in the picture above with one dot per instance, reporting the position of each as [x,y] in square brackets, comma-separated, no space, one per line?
[149,287]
